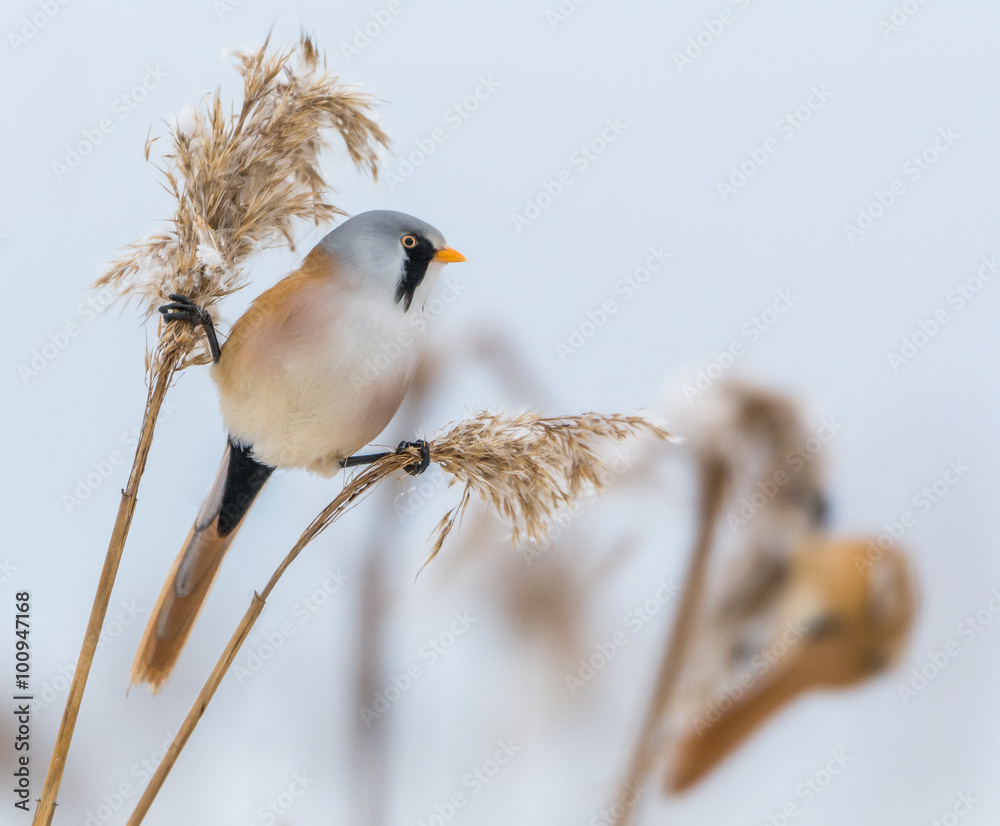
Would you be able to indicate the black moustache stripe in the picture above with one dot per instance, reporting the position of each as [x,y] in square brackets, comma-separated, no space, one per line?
[414,270]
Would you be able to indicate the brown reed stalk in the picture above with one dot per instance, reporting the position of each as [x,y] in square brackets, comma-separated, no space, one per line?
[526,467]
[240,182]
[126,508]
[714,477]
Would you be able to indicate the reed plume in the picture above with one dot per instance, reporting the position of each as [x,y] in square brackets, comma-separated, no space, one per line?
[241,180]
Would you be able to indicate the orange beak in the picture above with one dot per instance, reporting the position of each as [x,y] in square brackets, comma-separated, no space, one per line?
[448,255]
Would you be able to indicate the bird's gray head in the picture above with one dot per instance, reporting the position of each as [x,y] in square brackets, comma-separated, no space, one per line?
[391,252]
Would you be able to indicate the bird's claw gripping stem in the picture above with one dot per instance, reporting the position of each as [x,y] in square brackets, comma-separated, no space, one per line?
[414,469]
[183,308]
[425,456]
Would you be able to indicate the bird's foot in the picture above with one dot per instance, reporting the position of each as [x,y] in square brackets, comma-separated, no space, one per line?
[425,456]
[414,469]
[183,308]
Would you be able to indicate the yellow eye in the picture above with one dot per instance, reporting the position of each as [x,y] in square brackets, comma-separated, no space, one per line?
[409,241]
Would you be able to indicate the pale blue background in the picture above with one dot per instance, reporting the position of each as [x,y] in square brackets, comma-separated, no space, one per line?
[655,185]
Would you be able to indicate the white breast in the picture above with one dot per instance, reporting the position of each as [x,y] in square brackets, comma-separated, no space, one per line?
[327,381]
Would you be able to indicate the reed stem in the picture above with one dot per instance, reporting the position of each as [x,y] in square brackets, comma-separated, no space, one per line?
[167,366]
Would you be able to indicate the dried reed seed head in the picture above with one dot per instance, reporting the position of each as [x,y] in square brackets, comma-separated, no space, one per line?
[242,179]
[527,467]
[738,418]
